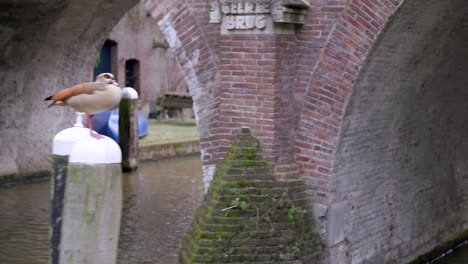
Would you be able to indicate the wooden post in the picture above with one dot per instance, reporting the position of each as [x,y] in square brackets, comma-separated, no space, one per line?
[128,129]
[92,204]
[61,148]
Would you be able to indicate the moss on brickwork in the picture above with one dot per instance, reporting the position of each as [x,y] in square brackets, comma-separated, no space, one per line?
[249,217]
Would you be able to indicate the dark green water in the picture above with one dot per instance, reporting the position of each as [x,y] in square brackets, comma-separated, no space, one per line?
[459,256]
[159,202]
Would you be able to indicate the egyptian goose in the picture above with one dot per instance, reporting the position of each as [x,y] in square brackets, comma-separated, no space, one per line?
[90,98]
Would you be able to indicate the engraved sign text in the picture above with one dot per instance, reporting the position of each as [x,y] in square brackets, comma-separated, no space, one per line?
[245,15]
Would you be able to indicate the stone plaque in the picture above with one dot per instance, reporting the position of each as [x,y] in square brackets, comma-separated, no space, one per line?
[258,16]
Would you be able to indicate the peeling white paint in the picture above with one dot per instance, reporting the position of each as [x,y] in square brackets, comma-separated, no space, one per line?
[195,57]
[169,32]
[208,175]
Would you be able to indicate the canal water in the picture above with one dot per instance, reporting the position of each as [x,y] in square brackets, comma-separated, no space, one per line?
[159,202]
[459,256]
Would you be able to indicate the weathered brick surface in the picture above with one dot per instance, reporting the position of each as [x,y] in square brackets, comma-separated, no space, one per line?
[180,22]
[295,93]
[355,28]
[250,217]
[399,166]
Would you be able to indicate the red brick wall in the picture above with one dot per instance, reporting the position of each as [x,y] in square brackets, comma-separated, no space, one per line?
[352,34]
[248,87]
[291,90]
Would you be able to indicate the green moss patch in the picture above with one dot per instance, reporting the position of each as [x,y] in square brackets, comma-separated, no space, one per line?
[249,217]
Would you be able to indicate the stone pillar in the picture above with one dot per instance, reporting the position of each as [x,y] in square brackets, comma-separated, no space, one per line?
[128,129]
[258,56]
[92,203]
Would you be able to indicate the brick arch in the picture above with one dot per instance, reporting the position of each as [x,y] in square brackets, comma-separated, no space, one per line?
[46,46]
[400,164]
[192,39]
[382,139]
[346,42]
[60,52]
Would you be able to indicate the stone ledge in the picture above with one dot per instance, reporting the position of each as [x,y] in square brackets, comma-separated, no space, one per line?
[13,179]
[146,152]
[168,150]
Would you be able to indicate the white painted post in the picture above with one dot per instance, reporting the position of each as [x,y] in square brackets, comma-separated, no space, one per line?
[61,148]
[92,202]
[128,129]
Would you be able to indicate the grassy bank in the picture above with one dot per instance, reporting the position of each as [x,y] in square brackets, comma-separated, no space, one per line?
[169,131]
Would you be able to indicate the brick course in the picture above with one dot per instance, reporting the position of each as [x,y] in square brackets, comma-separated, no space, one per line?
[292,91]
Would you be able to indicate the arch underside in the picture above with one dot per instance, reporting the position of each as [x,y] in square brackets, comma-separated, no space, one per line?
[389,159]
[53,45]
[401,162]
[45,47]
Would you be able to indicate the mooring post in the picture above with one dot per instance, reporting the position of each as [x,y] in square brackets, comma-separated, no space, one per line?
[128,129]
[92,203]
[61,148]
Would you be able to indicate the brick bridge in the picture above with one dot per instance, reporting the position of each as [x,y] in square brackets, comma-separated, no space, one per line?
[365,100]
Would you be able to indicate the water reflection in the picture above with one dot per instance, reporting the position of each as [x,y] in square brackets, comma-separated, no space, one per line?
[159,202]
[459,256]
[24,224]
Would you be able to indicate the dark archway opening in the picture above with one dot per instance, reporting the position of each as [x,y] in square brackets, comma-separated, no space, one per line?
[107,59]
[132,74]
